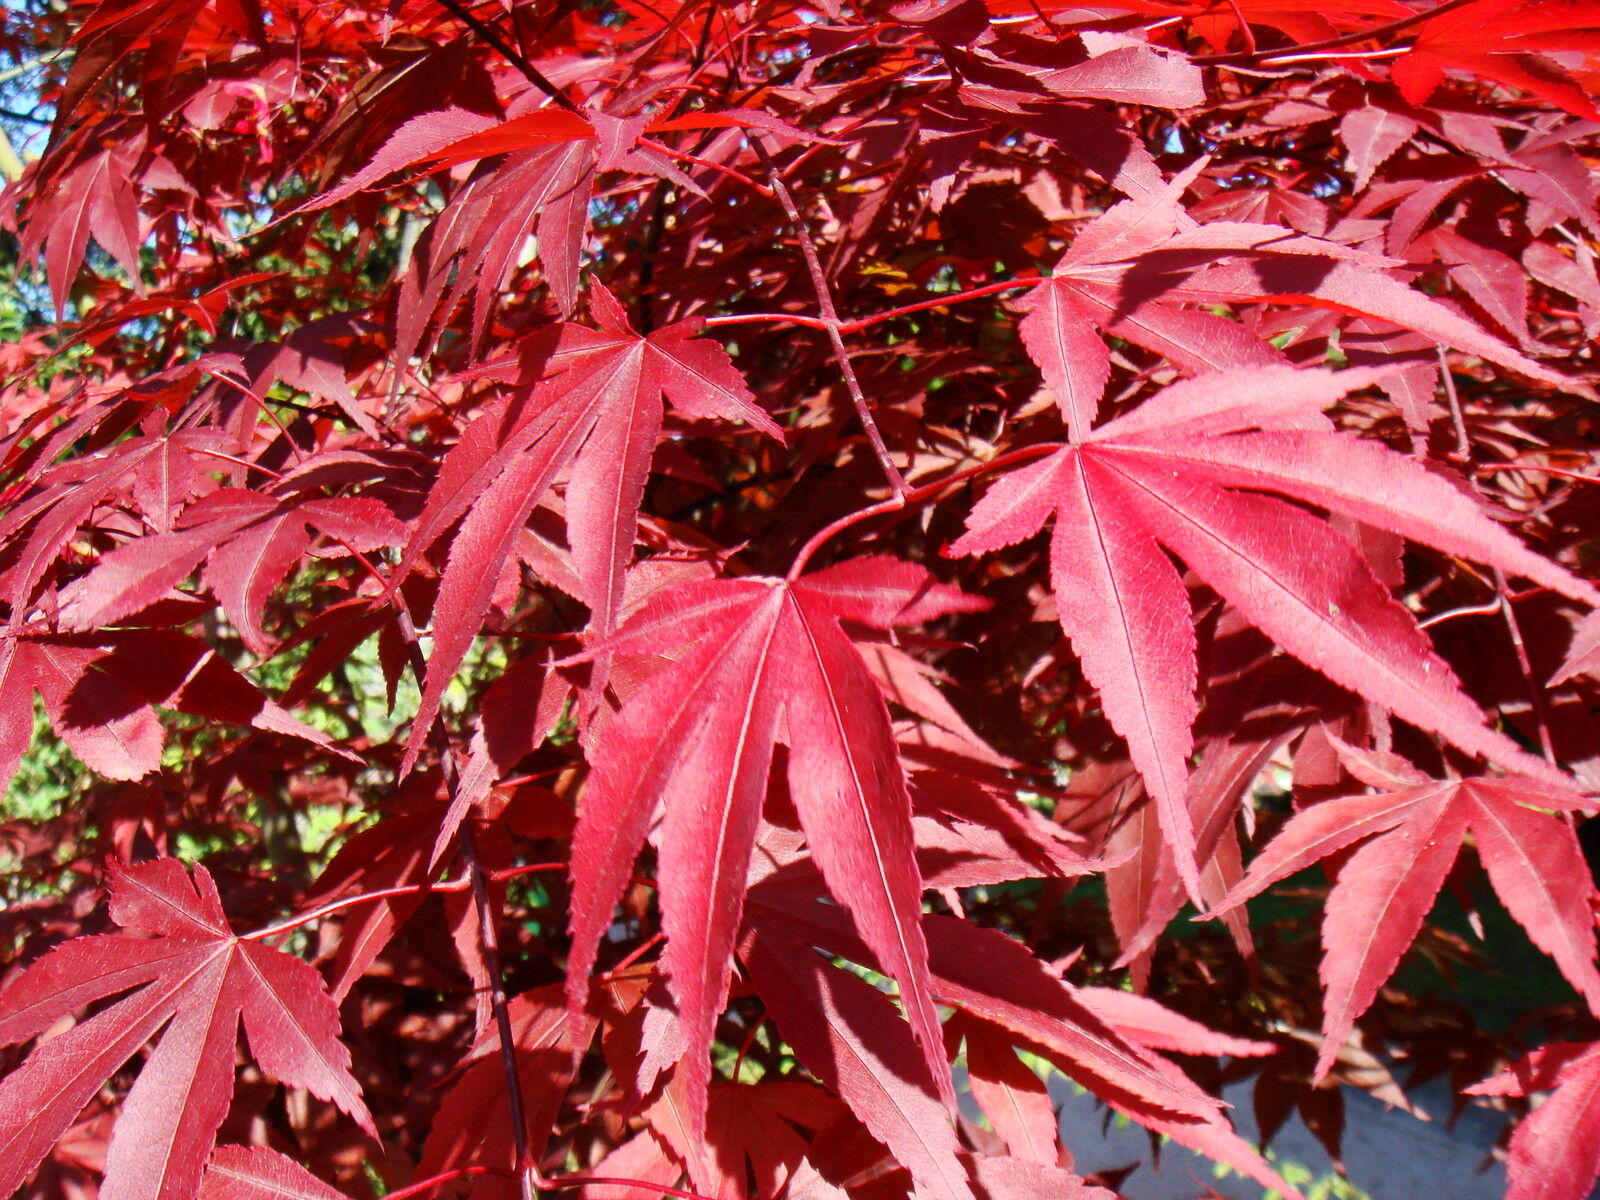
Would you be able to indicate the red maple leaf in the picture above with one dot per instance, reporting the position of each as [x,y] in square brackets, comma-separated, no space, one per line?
[767,661]
[600,412]
[185,970]
[1187,471]
[1411,831]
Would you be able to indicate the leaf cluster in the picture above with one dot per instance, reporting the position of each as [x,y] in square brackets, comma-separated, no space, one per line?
[710,599]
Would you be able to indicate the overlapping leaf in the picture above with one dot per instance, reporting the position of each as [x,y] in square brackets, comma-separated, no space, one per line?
[1508,42]
[600,414]
[183,969]
[1189,472]
[1411,831]
[767,662]
[826,1013]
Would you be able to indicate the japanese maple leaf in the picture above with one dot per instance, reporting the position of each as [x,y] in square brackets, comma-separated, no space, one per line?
[158,32]
[852,1038]
[538,178]
[1302,20]
[94,197]
[1555,1151]
[1009,1092]
[184,970]
[753,1134]
[1188,472]
[98,692]
[1583,655]
[767,662]
[599,413]
[104,721]
[308,360]
[1216,22]
[1371,134]
[539,183]
[1088,290]
[1508,42]
[1411,831]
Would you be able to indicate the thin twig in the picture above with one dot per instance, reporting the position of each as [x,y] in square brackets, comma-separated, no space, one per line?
[489,943]
[571,1181]
[637,952]
[555,1184]
[654,232]
[765,318]
[511,54]
[1485,609]
[1457,419]
[1502,590]
[238,462]
[433,1181]
[830,314]
[988,289]
[1342,55]
[488,939]
[897,501]
[443,886]
[889,314]
[333,906]
[744,1047]
[1541,715]
[734,173]
[1244,28]
[17,70]
[914,496]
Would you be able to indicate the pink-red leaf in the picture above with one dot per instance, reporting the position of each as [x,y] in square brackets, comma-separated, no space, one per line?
[198,980]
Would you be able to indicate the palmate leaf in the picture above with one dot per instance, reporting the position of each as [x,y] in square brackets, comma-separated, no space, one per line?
[1188,472]
[768,663]
[542,185]
[1144,270]
[98,692]
[249,540]
[1091,288]
[92,198]
[1218,25]
[598,413]
[196,979]
[1371,135]
[1415,827]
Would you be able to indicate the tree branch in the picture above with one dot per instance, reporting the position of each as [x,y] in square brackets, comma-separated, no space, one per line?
[511,54]
[830,314]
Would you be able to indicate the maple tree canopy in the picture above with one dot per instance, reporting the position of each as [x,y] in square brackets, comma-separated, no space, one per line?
[720,599]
